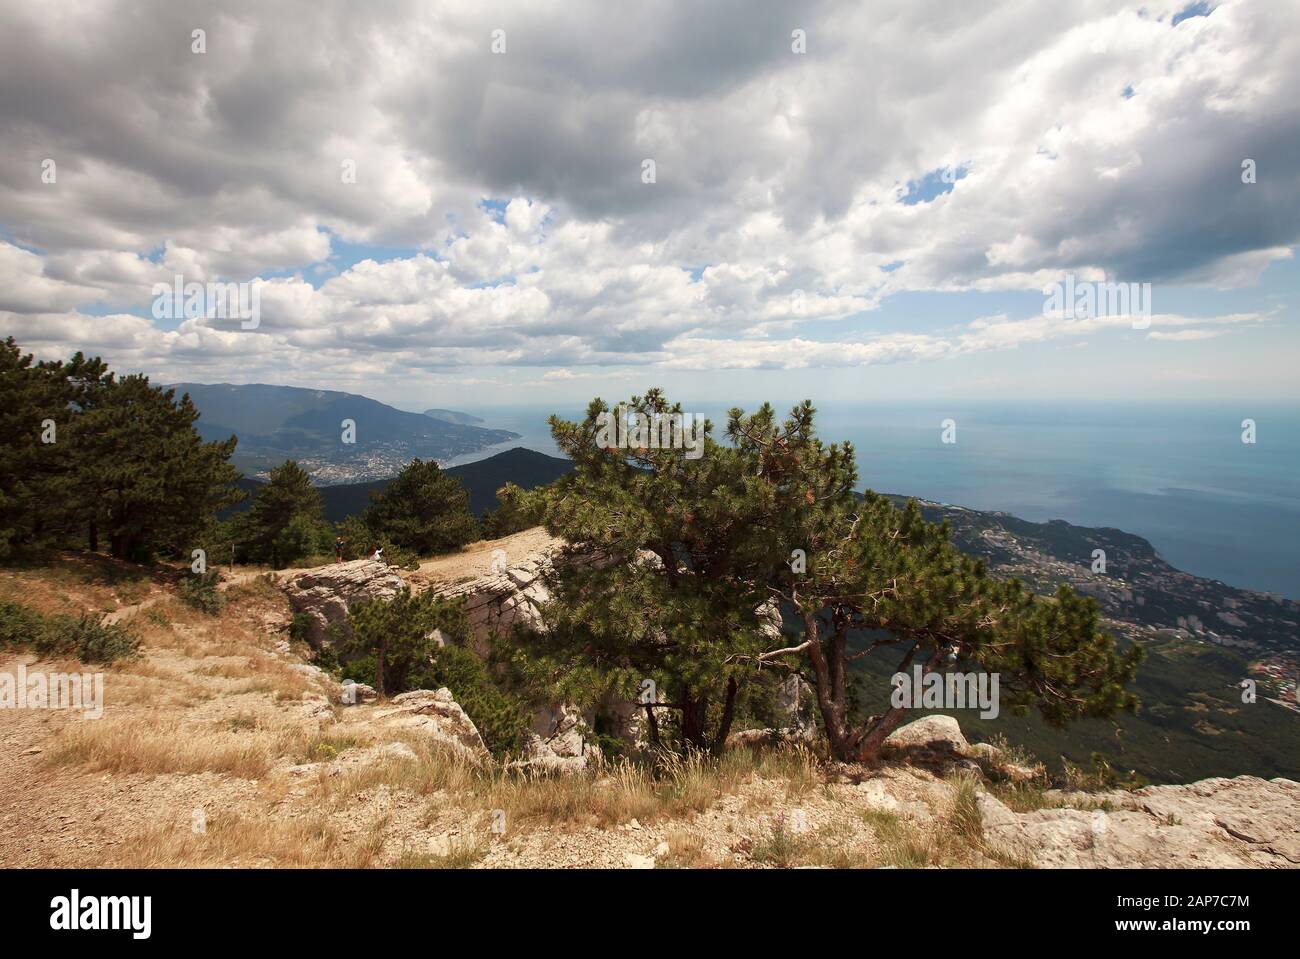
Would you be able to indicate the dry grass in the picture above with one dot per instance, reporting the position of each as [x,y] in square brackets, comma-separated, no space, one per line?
[461,852]
[235,840]
[147,745]
[673,788]
[688,850]
[72,583]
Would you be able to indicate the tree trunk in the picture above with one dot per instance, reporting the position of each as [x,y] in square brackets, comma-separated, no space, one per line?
[823,685]
[694,717]
[869,747]
[92,537]
[728,714]
[653,722]
[379,668]
[872,742]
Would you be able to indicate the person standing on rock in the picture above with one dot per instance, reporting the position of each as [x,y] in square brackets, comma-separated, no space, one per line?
[338,549]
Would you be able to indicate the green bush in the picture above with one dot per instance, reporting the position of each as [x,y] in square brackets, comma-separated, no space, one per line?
[500,717]
[359,541]
[298,627]
[89,639]
[361,670]
[200,591]
[19,626]
[399,629]
[302,537]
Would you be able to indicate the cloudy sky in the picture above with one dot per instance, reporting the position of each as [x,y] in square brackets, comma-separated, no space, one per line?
[849,201]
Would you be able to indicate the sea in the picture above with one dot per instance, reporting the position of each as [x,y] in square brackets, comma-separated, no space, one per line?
[1178,474]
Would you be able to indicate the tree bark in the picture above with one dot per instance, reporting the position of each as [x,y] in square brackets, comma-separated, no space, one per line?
[832,711]
[653,722]
[379,668]
[728,714]
[694,717]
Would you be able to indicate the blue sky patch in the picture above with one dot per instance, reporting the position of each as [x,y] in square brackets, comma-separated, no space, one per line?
[932,185]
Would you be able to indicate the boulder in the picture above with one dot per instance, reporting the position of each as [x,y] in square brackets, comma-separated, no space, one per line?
[324,595]
[931,729]
[437,715]
[355,694]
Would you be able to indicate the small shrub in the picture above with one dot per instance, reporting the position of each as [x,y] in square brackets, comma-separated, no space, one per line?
[200,592]
[1101,776]
[19,626]
[782,846]
[89,639]
[298,627]
[500,717]
[462,852]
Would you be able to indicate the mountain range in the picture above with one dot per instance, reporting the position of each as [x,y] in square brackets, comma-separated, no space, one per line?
[336,437]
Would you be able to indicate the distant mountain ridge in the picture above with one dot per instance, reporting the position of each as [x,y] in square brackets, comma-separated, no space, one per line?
[481,479]
[275,423]
[454,416]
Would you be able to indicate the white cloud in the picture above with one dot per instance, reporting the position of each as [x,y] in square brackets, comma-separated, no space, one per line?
[775,221]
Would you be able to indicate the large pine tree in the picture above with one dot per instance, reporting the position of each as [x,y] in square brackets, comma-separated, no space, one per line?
[149,479]
[423,509]
[81,450]
[865,567]
[664,581]
[674,562]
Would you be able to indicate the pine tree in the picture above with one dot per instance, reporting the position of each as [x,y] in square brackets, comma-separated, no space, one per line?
[672,563]
[423,510]
[81,449]
[664,575]
[399,634]
[870,566]
[285,521]
[147,478]
[39,405]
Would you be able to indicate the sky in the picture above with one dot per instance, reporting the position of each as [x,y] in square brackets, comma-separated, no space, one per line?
[467,204]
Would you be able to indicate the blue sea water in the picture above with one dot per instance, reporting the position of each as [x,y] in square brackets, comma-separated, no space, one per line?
[1178,475]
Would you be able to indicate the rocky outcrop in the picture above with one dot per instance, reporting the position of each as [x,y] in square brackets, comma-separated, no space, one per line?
[438,716]
[507,596]
[557,741]
[1239,822]
[324,595]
